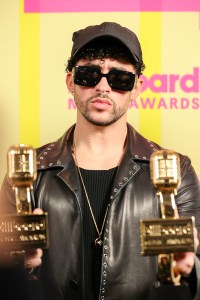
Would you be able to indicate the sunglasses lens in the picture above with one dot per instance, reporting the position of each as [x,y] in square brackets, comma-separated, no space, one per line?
[121,80]
[117,79]
[86,76]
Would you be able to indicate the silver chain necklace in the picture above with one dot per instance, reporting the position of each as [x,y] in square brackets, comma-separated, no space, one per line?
[98,241]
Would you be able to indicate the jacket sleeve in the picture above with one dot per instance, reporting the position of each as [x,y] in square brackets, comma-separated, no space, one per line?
[197,271]
[188,203]
[188,194]
[7,198]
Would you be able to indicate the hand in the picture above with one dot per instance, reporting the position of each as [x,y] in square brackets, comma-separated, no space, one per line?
[33,258]
[185,260]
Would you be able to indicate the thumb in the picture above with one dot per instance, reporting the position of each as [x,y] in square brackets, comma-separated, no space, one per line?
[38,211]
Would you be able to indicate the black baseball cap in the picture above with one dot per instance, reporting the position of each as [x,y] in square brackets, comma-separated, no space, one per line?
[107,29]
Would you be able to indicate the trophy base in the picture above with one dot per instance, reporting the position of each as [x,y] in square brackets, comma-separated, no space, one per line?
[170,292]
[160,236]
[23,232]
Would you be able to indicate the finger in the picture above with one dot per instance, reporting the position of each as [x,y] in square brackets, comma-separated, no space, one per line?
[33,258]
[38,211]
[32,262]
[184,263]
[34,253]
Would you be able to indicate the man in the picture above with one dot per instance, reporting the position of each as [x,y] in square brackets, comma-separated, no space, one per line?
[94,182]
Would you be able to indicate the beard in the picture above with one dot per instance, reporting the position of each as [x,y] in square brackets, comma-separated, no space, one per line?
[115,114]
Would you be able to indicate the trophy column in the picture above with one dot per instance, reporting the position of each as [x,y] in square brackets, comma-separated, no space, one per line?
[23,230]
[168,235]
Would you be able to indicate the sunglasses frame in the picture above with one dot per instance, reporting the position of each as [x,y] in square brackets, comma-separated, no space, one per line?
[107,76]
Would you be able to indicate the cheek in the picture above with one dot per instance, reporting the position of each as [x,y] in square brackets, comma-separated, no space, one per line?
[84,94]
[124,100]
[81,95]
[121,103]
[82,91]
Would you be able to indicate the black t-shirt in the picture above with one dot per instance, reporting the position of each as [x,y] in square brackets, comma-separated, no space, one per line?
[98,185]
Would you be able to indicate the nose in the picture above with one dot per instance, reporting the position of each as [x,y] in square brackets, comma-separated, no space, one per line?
[103,85]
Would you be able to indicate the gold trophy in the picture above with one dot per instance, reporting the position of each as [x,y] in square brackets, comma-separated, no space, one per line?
[168,235]
[23,230]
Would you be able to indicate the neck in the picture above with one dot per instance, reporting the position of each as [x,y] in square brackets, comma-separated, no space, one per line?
[100,147]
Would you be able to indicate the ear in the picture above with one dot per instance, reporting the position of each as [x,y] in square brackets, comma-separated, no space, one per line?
[137,88]
[70,82]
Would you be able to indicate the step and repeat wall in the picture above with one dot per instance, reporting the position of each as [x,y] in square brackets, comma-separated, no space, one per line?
[35,106]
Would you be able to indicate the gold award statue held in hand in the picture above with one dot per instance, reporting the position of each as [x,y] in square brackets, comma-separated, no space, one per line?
[169,234]
[23,230]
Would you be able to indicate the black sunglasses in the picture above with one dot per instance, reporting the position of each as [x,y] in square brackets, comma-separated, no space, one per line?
[91,76]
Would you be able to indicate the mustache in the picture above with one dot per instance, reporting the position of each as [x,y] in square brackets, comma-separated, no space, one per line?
[100,95]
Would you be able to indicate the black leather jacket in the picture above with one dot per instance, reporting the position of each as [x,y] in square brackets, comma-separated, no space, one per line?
[126,274]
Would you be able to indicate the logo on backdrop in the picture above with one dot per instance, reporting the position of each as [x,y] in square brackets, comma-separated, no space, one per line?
[164,89]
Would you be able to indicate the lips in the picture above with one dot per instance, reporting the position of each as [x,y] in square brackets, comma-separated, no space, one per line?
[100,101]
[100,104]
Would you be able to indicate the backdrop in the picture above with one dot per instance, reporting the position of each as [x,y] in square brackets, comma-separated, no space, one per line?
[35,106]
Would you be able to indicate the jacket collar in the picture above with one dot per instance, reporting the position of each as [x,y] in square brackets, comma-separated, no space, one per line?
[138,147]
[58,153]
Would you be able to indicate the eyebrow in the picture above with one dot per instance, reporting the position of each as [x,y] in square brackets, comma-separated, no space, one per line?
[88,64]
